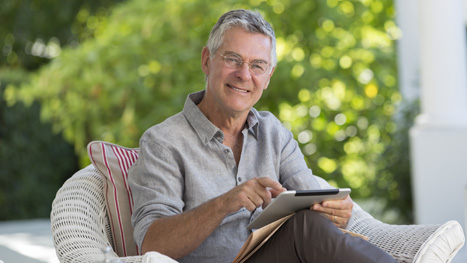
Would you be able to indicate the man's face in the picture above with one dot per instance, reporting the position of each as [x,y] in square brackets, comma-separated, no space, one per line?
[236,90]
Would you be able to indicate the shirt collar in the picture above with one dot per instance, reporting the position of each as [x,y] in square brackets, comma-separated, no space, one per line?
[204,128]
[252,122]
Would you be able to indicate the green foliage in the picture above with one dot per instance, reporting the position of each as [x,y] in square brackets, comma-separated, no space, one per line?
[335,85]
[34,162]
[33,32]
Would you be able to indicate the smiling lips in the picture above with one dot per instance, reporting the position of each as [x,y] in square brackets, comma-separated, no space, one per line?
[237,89]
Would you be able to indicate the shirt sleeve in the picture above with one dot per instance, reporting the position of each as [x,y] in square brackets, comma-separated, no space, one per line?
[156,184]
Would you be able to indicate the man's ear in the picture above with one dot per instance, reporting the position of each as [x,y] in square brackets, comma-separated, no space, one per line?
[205,60]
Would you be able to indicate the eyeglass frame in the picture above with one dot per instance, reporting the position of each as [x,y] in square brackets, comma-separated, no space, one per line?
[224,57]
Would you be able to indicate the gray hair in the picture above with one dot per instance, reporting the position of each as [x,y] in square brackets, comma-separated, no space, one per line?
[250,21]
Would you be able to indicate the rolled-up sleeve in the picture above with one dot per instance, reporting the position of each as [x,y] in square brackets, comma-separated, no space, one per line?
[158,182]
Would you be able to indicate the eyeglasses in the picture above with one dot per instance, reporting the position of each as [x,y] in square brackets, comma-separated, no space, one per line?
[234,61]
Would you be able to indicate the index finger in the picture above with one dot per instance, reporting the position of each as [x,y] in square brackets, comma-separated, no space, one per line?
[268,182]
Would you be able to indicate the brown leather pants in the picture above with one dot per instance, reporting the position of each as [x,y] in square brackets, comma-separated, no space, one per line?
[310,237]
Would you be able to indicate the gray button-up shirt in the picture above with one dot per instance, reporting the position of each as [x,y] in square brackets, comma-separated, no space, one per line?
[183,163]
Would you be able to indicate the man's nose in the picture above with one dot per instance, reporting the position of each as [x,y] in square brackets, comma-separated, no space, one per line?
[243,72]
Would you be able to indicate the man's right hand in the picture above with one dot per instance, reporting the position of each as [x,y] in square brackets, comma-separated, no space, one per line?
[252,194]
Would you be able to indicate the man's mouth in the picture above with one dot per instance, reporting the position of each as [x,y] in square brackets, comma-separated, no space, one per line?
[237,89]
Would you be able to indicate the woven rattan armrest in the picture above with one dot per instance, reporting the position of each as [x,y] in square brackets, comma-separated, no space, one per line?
[79,221]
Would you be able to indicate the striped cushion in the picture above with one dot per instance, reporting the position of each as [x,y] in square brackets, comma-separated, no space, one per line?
[113,162]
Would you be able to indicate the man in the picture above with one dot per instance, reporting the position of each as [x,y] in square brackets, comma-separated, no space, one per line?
[204,173]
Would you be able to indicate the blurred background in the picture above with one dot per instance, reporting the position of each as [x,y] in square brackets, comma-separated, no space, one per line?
[81,70]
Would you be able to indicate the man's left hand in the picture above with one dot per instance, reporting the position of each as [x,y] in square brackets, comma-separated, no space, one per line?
[338,211]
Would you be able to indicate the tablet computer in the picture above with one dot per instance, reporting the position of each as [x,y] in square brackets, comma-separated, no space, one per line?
[289,202]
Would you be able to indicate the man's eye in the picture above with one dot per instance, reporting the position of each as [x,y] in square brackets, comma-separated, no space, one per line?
[232,60]
[257,65]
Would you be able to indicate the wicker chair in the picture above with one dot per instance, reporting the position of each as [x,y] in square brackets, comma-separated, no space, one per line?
[81,230]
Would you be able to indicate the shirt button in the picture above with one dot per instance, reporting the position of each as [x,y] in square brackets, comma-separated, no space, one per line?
[227,151]
[239,179]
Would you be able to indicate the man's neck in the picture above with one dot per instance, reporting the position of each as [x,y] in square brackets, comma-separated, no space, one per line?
[229,123]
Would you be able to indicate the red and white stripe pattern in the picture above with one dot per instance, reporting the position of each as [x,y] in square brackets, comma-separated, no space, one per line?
[114,162]
[126,158]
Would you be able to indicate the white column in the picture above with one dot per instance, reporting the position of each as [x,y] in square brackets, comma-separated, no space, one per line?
[443,63]
[408,49]
[439,137]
